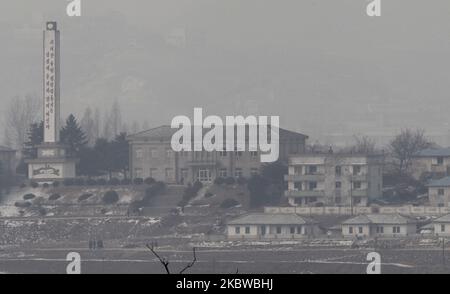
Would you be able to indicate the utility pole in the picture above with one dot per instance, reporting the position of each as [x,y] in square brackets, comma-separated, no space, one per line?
[443,252]
[351,194]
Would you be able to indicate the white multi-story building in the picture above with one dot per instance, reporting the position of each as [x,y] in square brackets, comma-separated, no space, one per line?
[334,179]
[439,192]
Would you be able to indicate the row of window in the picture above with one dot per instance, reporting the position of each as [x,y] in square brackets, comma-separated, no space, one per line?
[278,230]
[379,230]
[200,154]
[203,174]
[169,173]
[312,185]
[312,170]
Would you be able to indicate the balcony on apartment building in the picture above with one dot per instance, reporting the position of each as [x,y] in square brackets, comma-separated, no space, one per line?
[361,177]
[304,193]
[305,178]
[359,192]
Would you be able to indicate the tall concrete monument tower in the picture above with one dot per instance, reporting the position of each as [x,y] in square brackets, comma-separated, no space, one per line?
[52,161]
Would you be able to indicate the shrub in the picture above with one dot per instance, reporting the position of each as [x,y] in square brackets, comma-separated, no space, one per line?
[34,184]
[149,181]
[126,182]
[241,181]
[55,184]
[101,182]
[197,186]
[23,185]
[28,196]
[110,197]
[45,185]
[136,205]
[159,186]
[138,181]
[42,211]
[209,194]
[84,197]
[22,204]
[152,192]
[219,181]
[68,182]
[230,181]
[114,181]
[79,182]
[54,197]
[229,202]
[91,182]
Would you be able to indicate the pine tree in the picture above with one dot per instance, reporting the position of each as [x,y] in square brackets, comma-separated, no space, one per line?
[73,136]
[119,154]
[35,137]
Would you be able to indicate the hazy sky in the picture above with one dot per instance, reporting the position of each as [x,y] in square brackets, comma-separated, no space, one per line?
[324,66]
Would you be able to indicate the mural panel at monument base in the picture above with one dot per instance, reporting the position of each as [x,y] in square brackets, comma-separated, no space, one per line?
[39,171]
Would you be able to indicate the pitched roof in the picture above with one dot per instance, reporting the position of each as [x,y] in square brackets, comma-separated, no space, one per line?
[443,219]
[444,182]
[433,152]
[6,149]
[165,132]
[377,219]
[161,132]
[270,219]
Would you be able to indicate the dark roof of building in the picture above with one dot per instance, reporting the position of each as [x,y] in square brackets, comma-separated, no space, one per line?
[443,219]
[271,219]
[161,132]
[377,219]
[6,149]
[444,182]
[433,152]
[165,132]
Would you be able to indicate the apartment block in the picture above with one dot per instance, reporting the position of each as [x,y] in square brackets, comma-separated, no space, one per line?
[432,162]
[151,155]
[334,179]
[439,192]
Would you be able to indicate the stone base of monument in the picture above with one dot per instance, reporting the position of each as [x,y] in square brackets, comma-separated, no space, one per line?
[52,163]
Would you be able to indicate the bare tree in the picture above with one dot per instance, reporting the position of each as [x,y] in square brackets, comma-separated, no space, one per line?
[145,126]
[97,123]
[162,260]
[87,124]
[363,145]
[165,262]
[19,115]
[115,118]
[107,129]
[405,145]
[135,127]
[124,128]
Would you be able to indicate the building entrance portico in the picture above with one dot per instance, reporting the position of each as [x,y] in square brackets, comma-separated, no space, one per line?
[204,175]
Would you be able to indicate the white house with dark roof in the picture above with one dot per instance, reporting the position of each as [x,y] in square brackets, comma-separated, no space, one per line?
[442,226]
[439,192]
[272,226]
[433,162]
[379,225]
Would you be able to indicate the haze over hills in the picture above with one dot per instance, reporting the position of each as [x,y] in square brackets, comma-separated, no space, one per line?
[323,66]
